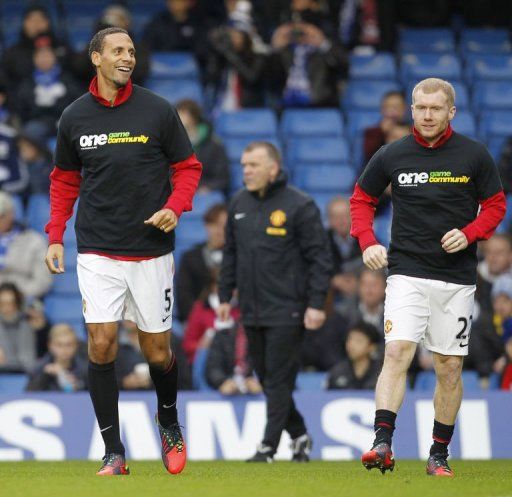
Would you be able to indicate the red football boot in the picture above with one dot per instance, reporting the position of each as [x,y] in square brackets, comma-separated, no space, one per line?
[380,456]
[113,464]
[437,465]
[174,451]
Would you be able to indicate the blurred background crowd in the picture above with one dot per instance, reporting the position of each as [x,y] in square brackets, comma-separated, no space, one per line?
[328,82]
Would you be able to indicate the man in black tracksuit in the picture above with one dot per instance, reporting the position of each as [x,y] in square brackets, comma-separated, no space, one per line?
[277,256]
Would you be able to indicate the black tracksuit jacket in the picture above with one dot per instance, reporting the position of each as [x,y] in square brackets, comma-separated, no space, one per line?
[277,255]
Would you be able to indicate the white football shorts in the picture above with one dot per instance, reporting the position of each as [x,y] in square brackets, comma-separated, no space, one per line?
[141,291]
[434,311]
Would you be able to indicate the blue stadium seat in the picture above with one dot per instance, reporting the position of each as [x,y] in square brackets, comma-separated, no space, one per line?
[235,147]
[173,65]
[488,95]
[381,66]
[70,255]
[253,123]
[461,94]
[12,383]
[495,123]
[439,40]
[175,90]
[366,95]
[464,123]
[66,284]
[61,308]
[80,37]
[358,121]
[237,176]
[38,211]
[190,230]
[426,381]
[495,67]
[382,228]
[19,209]
[199,371]
[317,150]
[203,201]
[494,381]
[495,146]
[418,66]
[471,381]
[334,178]
[311,381]
[477,40]
[322,200]
[311,122]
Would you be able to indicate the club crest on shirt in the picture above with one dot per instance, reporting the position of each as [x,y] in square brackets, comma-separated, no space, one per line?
[388,326]
[278,218]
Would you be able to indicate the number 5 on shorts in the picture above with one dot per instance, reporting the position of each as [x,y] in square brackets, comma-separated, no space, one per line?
[167,296]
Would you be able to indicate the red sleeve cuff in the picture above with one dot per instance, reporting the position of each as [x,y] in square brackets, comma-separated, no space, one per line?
[185,179]
[64,190]
[362,211]
[492,212]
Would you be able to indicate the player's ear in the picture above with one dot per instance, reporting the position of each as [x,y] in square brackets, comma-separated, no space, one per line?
[452,112]
[95,59]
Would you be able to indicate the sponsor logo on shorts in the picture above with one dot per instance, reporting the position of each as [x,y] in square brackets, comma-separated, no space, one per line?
[388,326]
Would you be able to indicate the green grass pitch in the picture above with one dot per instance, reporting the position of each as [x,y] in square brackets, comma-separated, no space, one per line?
[238,479]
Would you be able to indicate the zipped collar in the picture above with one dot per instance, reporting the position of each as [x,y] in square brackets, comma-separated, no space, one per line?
[448,132]
[280,182]
[123,94]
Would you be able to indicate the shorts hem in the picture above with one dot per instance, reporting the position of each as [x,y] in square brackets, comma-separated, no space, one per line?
[102,320]
[157,330]
[404,339]
[444,352]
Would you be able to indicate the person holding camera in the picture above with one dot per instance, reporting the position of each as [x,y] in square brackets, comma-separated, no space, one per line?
[277,256]
[305,63]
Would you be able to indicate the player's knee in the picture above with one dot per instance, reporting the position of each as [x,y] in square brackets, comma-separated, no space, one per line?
[449,371]
[159,358]
[102,347]
[398,355]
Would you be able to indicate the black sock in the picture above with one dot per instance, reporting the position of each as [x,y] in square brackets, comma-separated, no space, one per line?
[442,435]
[105,396]
[166,386]
[384,426]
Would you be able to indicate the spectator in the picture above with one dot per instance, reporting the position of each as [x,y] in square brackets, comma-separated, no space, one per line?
[322,348]
[14,175]
[61,369]
[202,322]
[208,147]
[47,91]
[393,109]
[18,59]
[17,338]
[179,27]
[228,369]
[359,23]
[490,332]
[360,370]
[345,249]
[497,261]
[505,166]
[196,264]
[306,65]
[22,253]
[235,70]
[370,303]
[36,156]
[132,370]
[114,16]
[7,118]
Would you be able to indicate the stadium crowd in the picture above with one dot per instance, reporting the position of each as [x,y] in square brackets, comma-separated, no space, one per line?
[279,55]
